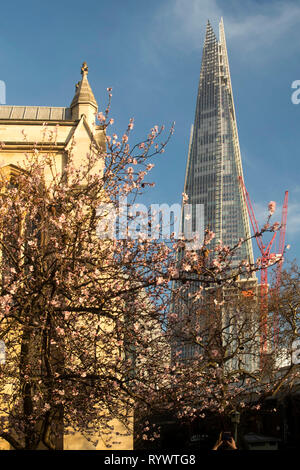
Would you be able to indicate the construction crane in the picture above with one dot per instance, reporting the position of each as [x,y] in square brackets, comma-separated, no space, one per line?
[279,266]
[266,260]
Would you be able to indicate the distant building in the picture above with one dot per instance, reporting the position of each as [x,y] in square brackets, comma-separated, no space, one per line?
[213,169]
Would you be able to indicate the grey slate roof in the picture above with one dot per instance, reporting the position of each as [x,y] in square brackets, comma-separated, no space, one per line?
[43,113]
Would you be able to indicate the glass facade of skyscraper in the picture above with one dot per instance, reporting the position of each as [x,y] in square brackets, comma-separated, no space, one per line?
[214,161]
[213,170]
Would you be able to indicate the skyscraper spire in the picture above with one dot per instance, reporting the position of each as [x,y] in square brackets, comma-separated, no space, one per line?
[214,163]
[210,34]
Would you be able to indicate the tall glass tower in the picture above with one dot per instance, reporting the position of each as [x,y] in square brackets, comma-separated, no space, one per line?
[214,161]
[213,169]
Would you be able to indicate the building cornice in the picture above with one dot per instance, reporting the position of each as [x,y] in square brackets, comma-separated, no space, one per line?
[37,122]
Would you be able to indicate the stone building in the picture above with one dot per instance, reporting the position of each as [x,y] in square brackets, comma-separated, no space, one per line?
[23,128]
[61,131]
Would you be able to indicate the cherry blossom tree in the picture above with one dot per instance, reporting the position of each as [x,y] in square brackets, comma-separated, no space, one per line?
[89,320]
[214,326]
[71,301]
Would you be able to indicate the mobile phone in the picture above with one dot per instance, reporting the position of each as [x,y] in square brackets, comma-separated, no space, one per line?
[227,436]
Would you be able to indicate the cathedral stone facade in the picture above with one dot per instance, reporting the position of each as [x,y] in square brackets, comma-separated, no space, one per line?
[61,131]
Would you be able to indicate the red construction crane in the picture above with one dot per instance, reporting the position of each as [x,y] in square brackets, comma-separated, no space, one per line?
[266,260]
[279,266]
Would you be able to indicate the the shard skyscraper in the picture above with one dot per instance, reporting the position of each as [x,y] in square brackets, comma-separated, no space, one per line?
[212,180]
[214,161]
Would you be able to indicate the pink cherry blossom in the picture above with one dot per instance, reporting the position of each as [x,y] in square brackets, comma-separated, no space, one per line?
[271,207]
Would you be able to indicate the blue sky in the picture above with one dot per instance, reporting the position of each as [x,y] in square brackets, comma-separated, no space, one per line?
[150,54]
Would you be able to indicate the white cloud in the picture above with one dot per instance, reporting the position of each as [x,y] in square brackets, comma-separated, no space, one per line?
[293,220]
[177,25]
[261,212]
[266,27]
[183,21]
[293,216]
[251,26]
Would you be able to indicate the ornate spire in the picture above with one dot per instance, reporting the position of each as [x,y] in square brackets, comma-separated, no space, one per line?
[84,94]
[84,69]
